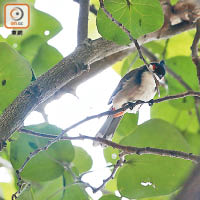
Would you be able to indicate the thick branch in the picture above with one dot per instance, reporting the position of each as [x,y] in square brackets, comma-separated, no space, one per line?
[66,70]
[194,48]
[92,8]
[95,68]
[191,188]
[82,32]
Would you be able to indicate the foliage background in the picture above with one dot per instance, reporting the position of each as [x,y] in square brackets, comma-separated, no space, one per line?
[173,124]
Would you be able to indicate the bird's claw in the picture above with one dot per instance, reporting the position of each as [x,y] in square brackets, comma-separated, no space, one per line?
[151,102]
[131,105]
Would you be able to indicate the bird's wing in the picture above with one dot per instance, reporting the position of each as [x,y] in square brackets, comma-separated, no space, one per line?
[132,79]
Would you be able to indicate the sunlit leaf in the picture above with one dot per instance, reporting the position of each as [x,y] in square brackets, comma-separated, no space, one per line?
[179,45]
[184,120]
[75,192]
[138,16]
[184,67]
[26,194]
[29,47]
[15,74]
[82,160]
[49,190]
[46,165]
[46,57]
[109,197]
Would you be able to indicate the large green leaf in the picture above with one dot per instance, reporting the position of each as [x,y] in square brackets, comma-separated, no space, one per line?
[138,16]
[46,165]
[127,124]
[184,67]
[156,172]
[30,46]
[47,56]
[82,160]
[75,192]
[179,45]
[26,194]
[49,190]
[184,120]
[15,74]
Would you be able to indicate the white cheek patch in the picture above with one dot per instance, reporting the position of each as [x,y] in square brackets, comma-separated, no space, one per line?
[151,67]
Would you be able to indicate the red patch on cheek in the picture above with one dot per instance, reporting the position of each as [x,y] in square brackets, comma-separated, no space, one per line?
[154,67]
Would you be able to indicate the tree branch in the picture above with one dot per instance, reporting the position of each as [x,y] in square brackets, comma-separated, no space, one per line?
[125,149]
[191,188]
[82,32]
[95,68]
[92,7]
[194,48]
[66,70]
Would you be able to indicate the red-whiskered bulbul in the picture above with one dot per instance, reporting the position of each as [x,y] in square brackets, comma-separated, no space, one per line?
[138,84]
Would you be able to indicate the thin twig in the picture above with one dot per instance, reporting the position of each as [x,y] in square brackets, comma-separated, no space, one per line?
[165,49]
[126,149]
[116,167]
[120,25]
[194,48]
[82,32]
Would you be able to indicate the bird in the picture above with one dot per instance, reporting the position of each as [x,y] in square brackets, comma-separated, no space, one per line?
[138,84]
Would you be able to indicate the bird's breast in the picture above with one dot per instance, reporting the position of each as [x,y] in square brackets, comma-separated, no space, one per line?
[131,93]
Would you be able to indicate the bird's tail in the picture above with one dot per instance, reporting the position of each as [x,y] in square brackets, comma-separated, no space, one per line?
[108,128]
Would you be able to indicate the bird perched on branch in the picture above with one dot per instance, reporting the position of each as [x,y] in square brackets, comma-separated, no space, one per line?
[138,84]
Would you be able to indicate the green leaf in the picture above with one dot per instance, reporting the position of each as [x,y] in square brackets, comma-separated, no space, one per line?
[40,22]
[75,192]
[46,165]
[49,190]
[111,185]
[15,75]
[26,194]
[138,16]
[184,120]
[173,2]
[194,141]
[179,45]
[156,47]
[111,155]
[157,172]
[131,62]
[30,46]
[179,65]
[82,160]
[47,56]
[127,124]
[109,197]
